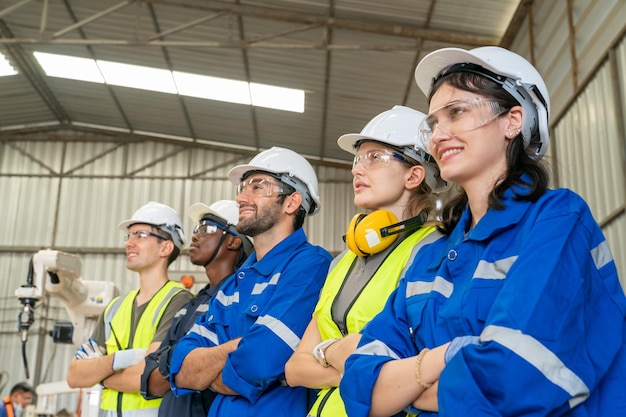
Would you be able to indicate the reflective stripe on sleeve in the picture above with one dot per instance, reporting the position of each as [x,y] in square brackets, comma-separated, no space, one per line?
[439,285]
[261,286]
[539,356]
[202,308]
[206,333]
[494,270]
[376,348]
[280,329]
[601,255]
[227,300]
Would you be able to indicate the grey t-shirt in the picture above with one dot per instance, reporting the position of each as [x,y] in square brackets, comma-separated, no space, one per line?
[362,270]
[178,301]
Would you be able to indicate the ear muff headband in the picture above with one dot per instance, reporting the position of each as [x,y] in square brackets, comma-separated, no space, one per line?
[372,233]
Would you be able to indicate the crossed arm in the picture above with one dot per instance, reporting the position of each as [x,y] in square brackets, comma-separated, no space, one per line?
[202,368]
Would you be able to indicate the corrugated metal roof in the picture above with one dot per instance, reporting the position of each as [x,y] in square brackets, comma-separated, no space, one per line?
[354,59]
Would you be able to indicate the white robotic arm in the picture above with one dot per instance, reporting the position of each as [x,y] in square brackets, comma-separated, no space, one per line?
[57,273]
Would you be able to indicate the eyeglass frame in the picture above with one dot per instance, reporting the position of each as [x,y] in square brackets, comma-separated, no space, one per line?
[196,228]
[398,156]
[283,189]
[425,136]
[139,235]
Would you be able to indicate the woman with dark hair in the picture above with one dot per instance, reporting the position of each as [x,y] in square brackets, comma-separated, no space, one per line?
[523,286]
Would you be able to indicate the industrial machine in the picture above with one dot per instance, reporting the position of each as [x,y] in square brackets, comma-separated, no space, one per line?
[53,273]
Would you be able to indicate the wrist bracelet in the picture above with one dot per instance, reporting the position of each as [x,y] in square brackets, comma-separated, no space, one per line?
[418,366]
[319,352]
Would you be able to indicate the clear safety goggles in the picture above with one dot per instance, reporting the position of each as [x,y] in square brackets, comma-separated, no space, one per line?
[458,117]
[205,227]
[377,157]
[141,235]
[262,187]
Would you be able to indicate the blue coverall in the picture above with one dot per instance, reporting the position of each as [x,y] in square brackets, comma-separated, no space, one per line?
[269,304]
[196,404]
[538,284]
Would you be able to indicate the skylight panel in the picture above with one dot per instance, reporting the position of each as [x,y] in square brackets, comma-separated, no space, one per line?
[212,88]
[69,67]
[5,66]
[279,98]
[172,82]
[135,76]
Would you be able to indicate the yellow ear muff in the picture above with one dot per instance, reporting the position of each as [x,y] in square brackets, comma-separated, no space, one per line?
[364,232]
[350,241]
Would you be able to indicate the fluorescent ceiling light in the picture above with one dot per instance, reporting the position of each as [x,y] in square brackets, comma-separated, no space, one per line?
[5,66]
[172,82]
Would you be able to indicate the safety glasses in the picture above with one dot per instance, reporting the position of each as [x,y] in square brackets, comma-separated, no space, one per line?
[458,117]
[378,157]
[204,228]
[141,235]
[262,187]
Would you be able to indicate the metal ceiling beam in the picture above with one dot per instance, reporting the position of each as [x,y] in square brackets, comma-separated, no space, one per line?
[31,70]
[92,18]
[379,28]
[16,6]
[328,38]
[170,66]
[118,105]
[186,25]
[246,44]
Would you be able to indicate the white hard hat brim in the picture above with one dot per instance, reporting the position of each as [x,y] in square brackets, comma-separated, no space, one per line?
[432,64]
[123,226]
[348,142]
[236,174]
[198,210]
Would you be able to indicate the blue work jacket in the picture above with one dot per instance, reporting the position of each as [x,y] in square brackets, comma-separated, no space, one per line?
[269,304]
[196,404]
[537,283]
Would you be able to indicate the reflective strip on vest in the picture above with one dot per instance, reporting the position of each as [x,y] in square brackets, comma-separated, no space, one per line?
[118,315]
[370,301]
[147,412]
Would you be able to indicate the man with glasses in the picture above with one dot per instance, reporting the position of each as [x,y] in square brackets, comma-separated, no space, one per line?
[254,323]
[19,398]
[220,249]
[136,323]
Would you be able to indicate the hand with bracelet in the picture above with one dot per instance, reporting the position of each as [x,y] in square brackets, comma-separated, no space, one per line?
[333,352]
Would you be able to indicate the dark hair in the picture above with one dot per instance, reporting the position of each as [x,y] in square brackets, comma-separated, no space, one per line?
[517,159]
[298,221]
[421,200]
[166,236]
[22,387]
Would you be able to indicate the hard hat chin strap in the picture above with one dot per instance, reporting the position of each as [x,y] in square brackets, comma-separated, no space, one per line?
[217,249]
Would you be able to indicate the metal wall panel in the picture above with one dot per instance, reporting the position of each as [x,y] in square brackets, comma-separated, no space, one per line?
[590,155]
[72,194]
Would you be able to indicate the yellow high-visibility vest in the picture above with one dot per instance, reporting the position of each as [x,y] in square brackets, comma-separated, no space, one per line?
[370,302]
[119,313]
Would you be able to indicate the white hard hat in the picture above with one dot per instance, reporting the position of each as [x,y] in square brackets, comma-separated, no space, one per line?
[228,210]
[397,127]
[288,167]
[226,213]
[160,216]
[516,75]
